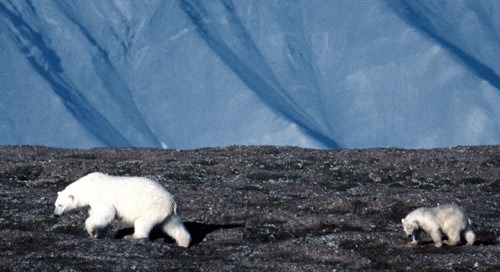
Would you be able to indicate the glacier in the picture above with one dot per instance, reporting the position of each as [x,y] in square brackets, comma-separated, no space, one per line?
[198,73]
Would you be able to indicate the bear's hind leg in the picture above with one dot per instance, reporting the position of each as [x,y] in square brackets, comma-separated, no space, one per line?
[142,227]
[176,229]
[469,237]
[436,237]
[453,238]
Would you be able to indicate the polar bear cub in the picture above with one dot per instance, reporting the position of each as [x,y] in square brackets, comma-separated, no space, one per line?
[444,219]
[137,201]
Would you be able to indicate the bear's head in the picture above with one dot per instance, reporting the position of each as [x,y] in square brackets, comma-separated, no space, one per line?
[64,202]
[410,227]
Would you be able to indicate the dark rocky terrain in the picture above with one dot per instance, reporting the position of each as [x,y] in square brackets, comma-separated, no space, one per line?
[256,209]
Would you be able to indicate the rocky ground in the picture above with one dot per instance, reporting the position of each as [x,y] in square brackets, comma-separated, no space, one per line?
[255,209]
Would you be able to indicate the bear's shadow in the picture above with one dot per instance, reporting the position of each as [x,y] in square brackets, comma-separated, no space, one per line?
[482,239]
[197,230]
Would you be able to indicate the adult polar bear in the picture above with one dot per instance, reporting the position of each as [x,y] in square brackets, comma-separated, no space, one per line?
[141,202]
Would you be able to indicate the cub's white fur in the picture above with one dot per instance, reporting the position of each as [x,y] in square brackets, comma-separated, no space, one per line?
[141,202]
[444,219]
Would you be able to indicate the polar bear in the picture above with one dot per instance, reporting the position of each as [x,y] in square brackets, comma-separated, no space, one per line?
[137,201]
[446,219]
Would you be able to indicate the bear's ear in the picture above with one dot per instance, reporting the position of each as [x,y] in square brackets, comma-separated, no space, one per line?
[58,193]
[72,197]
[403,221]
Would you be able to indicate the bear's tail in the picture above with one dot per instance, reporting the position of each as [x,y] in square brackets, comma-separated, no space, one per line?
[176,210]
[470,237]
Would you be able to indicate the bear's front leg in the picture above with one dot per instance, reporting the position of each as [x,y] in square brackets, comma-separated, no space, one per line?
[98,221]
[414,241]
[415,237]
[91,227]
[95,228]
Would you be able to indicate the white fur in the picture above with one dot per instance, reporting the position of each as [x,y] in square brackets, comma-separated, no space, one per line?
[137,201]
[444,219]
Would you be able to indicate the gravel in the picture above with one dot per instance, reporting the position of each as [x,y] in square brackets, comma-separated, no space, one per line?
[255,208]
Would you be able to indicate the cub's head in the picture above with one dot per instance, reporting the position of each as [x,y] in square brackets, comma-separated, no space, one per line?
[410,227]
[64,202]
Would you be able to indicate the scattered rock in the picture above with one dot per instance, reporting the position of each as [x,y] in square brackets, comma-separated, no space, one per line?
[255,208]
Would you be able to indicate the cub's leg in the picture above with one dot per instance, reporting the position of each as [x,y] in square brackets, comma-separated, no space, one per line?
[453,238]
[436,237]
[416,237]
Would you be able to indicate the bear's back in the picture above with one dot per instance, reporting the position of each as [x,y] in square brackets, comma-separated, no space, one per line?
[134,196]
[450,214]
[119,183]
[124,192]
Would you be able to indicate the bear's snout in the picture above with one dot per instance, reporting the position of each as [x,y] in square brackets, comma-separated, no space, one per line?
[57,212]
